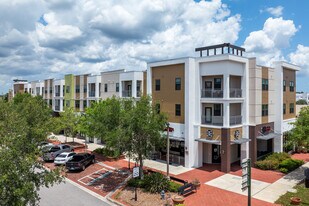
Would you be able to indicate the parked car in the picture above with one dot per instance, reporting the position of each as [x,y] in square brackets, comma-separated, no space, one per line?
[51,152]
[80,161]
[63,158]
[44,144]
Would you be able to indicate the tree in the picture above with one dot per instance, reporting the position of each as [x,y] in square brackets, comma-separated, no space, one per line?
[68,122]
[24,123]
[299,135]
[301,102]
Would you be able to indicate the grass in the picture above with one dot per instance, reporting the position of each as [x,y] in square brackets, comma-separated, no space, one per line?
[302,193]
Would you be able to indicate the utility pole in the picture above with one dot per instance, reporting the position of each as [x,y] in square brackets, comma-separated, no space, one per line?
[168,151]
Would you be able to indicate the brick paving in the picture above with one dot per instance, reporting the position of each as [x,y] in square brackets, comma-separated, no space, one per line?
[301,156]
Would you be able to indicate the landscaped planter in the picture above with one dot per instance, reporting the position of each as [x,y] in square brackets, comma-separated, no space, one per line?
[114,158]
[295,200]
[178,199]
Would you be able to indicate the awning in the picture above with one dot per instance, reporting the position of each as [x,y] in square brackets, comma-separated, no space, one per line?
[268,136]
[217,142]
[175,138]
[240,141]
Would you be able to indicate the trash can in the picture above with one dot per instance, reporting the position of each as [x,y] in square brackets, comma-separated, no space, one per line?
[307,177]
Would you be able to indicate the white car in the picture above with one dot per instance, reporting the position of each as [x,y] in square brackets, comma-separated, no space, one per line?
[63,158]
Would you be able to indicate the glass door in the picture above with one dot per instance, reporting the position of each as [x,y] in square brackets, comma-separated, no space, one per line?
[208,114]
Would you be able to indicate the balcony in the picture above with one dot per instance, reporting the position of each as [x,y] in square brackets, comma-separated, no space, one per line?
[234,120]
[211,93]
[57,94]
[212,120]
[91,94]
[127,93]
[138,93]
[235,93]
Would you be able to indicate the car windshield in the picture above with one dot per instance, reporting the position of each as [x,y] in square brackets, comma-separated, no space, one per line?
[54,149]
[77,158]
[62,155]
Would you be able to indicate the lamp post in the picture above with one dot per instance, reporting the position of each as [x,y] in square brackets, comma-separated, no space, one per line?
[168,151]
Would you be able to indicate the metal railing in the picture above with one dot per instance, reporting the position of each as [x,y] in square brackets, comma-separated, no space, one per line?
[127,93]
[57,94]
[235,93]
[91,94]
[214,120]
[57,108]
[138,93]
[211,93]
[235,120]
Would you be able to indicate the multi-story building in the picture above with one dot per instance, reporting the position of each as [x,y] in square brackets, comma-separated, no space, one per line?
[58,98]
[94,89]
[302,96]
[20,86]
[110,83]
[223,107]
[48,93]
[131,84]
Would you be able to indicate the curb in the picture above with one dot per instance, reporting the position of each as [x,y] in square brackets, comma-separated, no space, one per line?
[118,189]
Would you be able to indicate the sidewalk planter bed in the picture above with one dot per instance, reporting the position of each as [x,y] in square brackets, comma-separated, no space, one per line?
[301,196]
[279,161]
[109,154]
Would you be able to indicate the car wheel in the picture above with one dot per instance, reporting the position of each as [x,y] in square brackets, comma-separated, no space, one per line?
[83,167]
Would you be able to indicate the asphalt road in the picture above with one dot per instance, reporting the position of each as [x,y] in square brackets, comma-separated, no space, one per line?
[66,194]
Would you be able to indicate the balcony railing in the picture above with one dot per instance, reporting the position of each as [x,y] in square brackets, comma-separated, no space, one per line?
[138,93]
[91,94]
[214,120]
[127,93]
[235,120]
[211,93]
[57,94]
[235,93]
[57,108]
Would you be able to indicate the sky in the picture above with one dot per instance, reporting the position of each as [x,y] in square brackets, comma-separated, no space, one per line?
[42,39]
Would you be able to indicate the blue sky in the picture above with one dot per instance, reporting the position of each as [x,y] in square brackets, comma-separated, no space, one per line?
[51,38]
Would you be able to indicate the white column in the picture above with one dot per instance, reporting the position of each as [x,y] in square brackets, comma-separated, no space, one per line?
[226,114]
[97,89]
[226,86]
[120,88]
[134,88]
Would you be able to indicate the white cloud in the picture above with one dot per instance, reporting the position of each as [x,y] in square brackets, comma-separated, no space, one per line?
[301,58]
[275,11]
[266,44]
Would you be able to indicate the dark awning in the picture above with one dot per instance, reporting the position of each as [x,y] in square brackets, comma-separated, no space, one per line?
[240,141]
[268,136]
[217,142]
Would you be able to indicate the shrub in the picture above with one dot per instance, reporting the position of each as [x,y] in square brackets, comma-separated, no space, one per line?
[136,182]
[278,156]
[284,170]
[267,164]
[107,152]
[173,186]
[156,182]
[290,165]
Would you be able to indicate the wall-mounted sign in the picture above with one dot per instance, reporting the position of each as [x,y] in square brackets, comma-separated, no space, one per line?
[237,134]
[265,129]
[209,133]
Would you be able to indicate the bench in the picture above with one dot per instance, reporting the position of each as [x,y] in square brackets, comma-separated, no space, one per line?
[186,189]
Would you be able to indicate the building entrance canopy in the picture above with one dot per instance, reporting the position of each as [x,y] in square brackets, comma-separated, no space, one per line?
[268,136]
[218,142]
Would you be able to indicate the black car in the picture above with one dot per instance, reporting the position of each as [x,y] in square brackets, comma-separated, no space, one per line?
[80,161]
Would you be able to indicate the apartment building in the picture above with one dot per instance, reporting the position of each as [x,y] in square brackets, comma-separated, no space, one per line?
[58,97]
[302,96]
[94,89]
[110,83]
[131,84]
[19,86]
[222,107]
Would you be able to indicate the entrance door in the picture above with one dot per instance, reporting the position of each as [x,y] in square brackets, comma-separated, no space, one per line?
[129,90]
[208,114]
[216,157]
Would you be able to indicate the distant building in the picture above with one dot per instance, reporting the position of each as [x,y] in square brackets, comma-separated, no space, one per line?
[302,95]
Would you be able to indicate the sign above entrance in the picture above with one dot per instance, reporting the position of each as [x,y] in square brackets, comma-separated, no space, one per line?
[209,133]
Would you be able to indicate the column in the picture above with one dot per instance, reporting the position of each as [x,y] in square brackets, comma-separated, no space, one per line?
[226,86]
[225,150]
[226,114]
[253,144]
[134,88]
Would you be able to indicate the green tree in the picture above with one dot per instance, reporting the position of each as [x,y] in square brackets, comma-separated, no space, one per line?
[301,102]
[67,122]
[299,135]
[24,123]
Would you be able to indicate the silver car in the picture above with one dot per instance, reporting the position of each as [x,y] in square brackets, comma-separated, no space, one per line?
[63,158]
[51,152]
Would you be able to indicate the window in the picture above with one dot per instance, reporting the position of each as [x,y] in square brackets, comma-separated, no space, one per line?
[291,108]
[217,83]
[85,103]
[50,102]
[284,85]
[264,84]
[291,86]
[264,109]
[77,88]
[105,87]
[63,88]
[177,109]
[50,90]
[158,107]
[85,88]
[158,84]
[284,108]
[117,87]
[77,104]
[67,90]
[178,84]
[217,109]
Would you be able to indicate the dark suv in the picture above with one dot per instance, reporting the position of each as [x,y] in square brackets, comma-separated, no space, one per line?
[80,161]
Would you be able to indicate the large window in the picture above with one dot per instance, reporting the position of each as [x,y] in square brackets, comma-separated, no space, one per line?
[77,89]
[284,85]
[284,108]
[85,88]
[264,84]
[117,87]
[105,87]
[292,108]
[77,104]
[291,86]
[177,109]
[85,104]
[217,83]
[217,109]
[178,84]
[158,84]
[264,109]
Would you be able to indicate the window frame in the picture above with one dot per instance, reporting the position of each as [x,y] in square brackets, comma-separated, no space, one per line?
[292,86]
[284,85]
[178,110]
[292,109]
[284,108]
[117,87]
[177,83]
[105,87]
[265,84]
[157,84]
[264,111]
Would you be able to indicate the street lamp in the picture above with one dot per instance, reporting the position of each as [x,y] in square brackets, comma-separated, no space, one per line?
[168,151]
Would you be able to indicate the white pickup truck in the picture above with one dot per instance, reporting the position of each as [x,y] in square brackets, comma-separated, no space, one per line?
[51,152]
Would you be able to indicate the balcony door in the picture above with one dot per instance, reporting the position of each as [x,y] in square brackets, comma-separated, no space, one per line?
[208,114]
[216,157]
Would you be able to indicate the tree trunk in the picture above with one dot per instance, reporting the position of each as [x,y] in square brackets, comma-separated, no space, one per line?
[141,166]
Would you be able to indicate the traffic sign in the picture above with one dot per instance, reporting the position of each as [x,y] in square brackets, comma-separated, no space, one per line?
[135,172]
[246,178]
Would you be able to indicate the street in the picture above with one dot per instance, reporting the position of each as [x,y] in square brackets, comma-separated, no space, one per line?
[68,194]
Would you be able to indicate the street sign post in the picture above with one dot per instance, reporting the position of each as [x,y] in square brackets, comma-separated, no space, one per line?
[135,174]
[246,178]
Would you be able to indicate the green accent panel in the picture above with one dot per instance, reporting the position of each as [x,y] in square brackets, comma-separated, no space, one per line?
[69,90]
